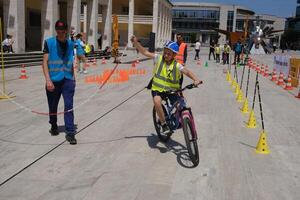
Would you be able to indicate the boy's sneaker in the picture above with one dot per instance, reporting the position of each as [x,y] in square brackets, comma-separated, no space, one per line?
[54,130]
[85,71]
[71,139]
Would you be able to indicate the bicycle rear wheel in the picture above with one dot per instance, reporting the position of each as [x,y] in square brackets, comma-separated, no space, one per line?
[191,142]
[162,137]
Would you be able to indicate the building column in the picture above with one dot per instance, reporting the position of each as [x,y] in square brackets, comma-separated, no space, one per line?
[159,26]
[92,22]
[107,16]
[49,15]
[84,17]
[155,20]
[14,23]
[73,14]
[130,22]
[234,18]
[164,23]
[170,22]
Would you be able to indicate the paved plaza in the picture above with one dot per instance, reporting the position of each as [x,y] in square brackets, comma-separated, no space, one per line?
[118,155]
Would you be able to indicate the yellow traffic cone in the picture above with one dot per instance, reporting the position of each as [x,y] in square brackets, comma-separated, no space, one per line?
[245,108]
[239,97]
[233,83]
[237,89]
[227,76]
[229,79]
[252,120]
[262,146]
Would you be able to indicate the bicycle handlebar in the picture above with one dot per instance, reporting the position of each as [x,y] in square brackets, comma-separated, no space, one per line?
[189,87]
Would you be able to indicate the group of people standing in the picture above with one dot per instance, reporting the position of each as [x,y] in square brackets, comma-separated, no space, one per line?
[215,49]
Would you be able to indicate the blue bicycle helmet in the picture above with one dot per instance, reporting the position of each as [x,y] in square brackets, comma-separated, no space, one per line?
[173,46]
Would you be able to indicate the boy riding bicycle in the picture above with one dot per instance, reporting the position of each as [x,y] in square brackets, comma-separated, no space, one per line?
[166,76]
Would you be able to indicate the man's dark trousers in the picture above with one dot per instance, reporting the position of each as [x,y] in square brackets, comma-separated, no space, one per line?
[66,88]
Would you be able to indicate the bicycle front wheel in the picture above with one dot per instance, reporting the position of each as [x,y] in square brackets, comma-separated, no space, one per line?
[190,140]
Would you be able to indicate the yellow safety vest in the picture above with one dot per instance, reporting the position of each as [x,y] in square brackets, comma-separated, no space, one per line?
[166,79]
[87,48]
[227,49]
[218,50]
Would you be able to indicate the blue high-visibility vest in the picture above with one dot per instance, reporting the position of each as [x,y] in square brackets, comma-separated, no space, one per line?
[60,66]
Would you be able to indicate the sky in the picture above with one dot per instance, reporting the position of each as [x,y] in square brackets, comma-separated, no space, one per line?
[280,8]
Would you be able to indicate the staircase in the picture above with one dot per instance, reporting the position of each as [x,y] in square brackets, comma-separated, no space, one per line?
[34,58]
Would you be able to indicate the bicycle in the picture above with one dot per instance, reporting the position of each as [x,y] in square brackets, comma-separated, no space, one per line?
[178,115]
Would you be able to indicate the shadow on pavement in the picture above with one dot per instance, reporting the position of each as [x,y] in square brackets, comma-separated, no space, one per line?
[171,146]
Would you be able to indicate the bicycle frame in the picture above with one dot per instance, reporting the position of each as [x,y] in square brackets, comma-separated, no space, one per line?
[181,111]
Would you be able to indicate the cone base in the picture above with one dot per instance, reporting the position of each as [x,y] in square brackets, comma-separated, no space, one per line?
[23,77]
[6,97]
[251,126]
[244,111]
[262,152]
[240,100]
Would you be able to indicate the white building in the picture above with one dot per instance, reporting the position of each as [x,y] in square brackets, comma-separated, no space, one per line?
[32,21]
[196,20]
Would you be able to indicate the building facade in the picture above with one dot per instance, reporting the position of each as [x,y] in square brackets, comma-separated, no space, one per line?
[197,20]
[32,21]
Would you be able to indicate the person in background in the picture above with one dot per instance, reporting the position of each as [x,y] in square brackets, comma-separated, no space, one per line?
[99,41]
[197,49]
[7,44]
[238,48]
[227,51]
[59,75]
[80,53]
[218,52]
[212,49]
[182,53]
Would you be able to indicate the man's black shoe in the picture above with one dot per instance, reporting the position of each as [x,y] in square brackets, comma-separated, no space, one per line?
[71,139]
[54,130]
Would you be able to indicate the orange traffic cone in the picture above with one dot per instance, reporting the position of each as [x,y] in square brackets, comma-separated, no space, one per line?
[262,70]
[288,86]
[257,68]
[23,73]
[274,76]
[103,61]
[280,80]
[266,72]
[133,64]
[86,65]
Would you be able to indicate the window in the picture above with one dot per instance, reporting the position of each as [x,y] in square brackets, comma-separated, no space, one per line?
[230,16]
[125,10]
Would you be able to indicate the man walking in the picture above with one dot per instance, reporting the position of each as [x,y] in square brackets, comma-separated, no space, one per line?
[197,49]
[238,48]
[59,75]
[212,50]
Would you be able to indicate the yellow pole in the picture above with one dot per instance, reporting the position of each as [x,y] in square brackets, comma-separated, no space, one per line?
[3,94]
